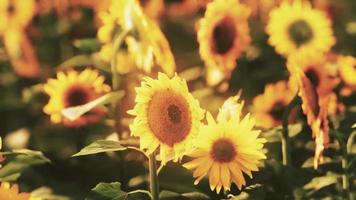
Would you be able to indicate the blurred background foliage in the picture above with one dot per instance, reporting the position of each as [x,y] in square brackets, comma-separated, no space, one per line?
[59,38]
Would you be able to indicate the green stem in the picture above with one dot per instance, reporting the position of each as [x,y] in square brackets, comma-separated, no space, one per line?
[285,135]
[345,178]
[118,40]
[154,188]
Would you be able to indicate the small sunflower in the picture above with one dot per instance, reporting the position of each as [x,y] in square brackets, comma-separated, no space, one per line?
[347,71]
[15,14]
[268,107]
[8,192]
[227,149]
[166,115]
[297,27]
[223,33]
[74,89]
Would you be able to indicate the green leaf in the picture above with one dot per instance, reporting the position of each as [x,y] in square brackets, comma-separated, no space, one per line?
[273,136]
[23,159]
[112,191]
[85,61]
[73,113]
[100,146]
[165,194]
[321,182]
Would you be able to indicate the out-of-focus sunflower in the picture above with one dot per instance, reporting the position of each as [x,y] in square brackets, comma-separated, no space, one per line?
[152,8]
[227,148]
[347,71]
[74,89]
[268,107]
[223,34]
[166,116]
[8,192]
[297,27]
[315,106]
[148,48]
[15,14]
[21,53]
[180,8]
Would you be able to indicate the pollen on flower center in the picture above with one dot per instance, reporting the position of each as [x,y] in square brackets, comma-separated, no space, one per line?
[169,117]
[76,96]
[223,150]
[313,77]
[300,32]
[223,36]
[277,110]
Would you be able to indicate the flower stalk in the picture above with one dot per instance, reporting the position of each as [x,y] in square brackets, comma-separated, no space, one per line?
[286,154]
[154,187]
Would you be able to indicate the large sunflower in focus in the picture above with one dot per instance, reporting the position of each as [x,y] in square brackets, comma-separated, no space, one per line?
[223,33]
[227,149]
[268,107]
[74,89]
[166,115]
[8,192]
[297,27]
[15,14]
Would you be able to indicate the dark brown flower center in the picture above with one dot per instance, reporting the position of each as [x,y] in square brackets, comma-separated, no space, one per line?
[169,117]
[11,8]
[223,36]
[76,96]
[313,77]
[277,110]
[223,150]
[300,32]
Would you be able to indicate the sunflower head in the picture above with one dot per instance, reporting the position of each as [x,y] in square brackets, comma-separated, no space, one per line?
[166,116]
[297,27]
[223,33]
[347,70]
[8,192]
[227,149]
[73,89]
[268,107]
[16,14]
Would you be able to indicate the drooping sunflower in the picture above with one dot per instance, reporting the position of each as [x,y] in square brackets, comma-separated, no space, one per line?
[297,27]
[21,53]
[15,14]
[8,192]
[74,89]
[315,106]
[347,71]
[268,107]
[227,149]
[166,116]
[223,33]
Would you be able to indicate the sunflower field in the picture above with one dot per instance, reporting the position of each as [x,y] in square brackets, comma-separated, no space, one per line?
[177,99]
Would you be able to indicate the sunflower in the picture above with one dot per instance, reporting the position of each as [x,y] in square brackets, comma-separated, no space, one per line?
[223,33]
[21,53]
[152,8]
[297,27]
[15,14]
[8,192]
[268,107]
[74,89]
[226,149]
[315,106]
[347,71]
[166,115]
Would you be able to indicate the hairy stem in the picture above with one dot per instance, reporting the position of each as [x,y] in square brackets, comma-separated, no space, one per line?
[154,188]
